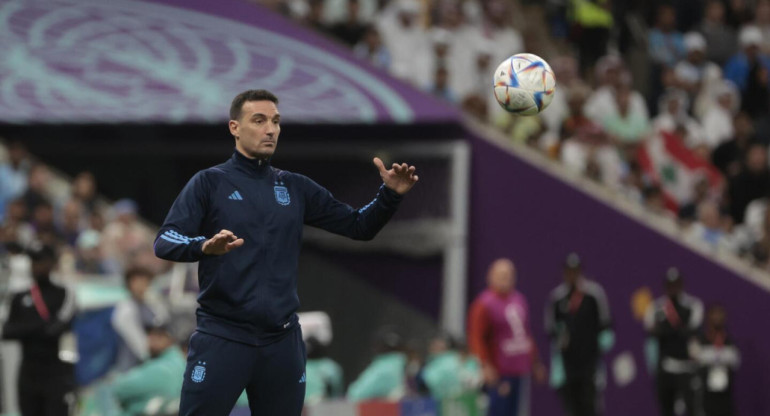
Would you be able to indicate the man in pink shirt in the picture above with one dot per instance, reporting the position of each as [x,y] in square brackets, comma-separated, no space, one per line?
[499,335]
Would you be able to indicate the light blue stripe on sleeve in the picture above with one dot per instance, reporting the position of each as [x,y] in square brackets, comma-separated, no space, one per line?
[167,238]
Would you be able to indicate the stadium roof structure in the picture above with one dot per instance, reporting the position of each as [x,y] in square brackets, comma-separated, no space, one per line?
[182,61]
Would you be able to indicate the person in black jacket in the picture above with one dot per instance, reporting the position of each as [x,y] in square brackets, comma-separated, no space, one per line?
[242,220]
[38,318]
[717,358]
[672,322]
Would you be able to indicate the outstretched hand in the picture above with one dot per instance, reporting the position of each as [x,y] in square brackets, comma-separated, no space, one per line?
[224,242]
[400,178]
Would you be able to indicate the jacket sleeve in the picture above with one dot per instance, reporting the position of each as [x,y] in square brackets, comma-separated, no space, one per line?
[325,212]
[478,332]
[178,238]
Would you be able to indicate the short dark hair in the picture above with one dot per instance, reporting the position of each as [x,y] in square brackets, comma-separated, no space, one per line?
[249,95]
[135,271]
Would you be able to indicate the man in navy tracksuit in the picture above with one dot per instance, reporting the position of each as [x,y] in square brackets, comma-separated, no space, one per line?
[248,336]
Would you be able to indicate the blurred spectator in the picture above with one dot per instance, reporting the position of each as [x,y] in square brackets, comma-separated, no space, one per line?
[628,125]
[437,56]
[84,191]
[654,201]
[314,16]
[717,120]
[739,12]
[42,221]
[688,212]
[15,228]
[665,42]
[728,156]
[403,37]
[762,22]
[132,315]
[476,105]
[385,377]
[440,85]
[323,375]
[39,317]
[498,32]
[371,49]
[721,41]
[690,72]
[753,182]
[155,383]
[673,116]
[351,30]
[576,125]
[710,228]
[70,221]
[760,249]
[124,236]
[592,24]
[612,76]
[448,372]
[89,256]
[748,69]
[672,321]
[37,192]
[13,175]
[717,358]
[577,320]
[566,71]
[500,336]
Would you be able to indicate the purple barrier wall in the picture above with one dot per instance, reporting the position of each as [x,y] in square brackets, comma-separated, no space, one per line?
[83,61]
[520,212]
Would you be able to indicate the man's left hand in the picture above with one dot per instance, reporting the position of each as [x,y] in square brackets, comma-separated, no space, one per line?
[400,178]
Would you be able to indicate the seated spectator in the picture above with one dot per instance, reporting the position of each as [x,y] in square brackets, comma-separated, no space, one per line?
[440,85]
[717,358]
[654,201]
[688,212]
[690,72]
[89,257]
[717,119]
[42,221]
[448,372]
[760,250]
[371,49]
[762,22]
[627,127]
[351,30]
[132,315]
[673,116]
[748,70]
[124,236]
[15,227]
[665,44]
[323,375]
[612,75]
[437,56]
[70,221]
[13,175]
[37,187]
[721,41]
[753,182]
[729,155]
[710,228]
[157,380]
[385,377]
[498,31]
[84,191]
[314,16]
[403,37]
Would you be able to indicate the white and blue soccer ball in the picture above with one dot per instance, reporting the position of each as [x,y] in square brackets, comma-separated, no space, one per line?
[524,84]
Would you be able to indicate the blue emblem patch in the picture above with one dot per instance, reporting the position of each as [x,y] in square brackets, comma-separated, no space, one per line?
[282,195]
[198,373]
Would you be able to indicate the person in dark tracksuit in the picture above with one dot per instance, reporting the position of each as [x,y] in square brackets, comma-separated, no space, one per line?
[577,320]
[718,358]
[38,318]
[672,323]
[242,220]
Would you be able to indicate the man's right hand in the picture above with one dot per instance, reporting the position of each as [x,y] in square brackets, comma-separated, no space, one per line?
[490,375]
[224,242]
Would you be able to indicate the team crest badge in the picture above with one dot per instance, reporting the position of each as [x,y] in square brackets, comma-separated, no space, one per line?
[282,195]
[199,372]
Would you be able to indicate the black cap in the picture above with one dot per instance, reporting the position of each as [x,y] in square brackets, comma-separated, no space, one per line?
[572,261]
[41,252]
[673,275]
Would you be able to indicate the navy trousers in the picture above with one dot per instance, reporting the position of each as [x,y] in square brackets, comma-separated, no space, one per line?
[218,370]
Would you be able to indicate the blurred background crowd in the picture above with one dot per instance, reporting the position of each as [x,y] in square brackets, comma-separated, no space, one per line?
[665,103]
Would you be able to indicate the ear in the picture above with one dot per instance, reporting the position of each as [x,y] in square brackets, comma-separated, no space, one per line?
[233,125]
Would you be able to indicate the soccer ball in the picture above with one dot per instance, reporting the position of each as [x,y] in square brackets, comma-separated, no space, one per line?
[524,84]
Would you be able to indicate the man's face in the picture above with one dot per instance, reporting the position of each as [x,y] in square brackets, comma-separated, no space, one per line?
[571,275]
[138,286]
[157,342]
[502,276]
[257,128]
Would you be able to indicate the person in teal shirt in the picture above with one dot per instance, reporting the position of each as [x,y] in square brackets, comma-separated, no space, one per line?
[152,387]
[385,377]
[449,372]
[323,375]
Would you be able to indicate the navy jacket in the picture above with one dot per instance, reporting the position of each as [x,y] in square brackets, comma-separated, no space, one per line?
[249,295]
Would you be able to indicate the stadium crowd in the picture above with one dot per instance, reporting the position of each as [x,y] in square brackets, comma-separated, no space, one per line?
[665,102]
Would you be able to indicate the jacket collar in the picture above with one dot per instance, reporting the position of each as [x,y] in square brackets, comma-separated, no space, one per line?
[256,167]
